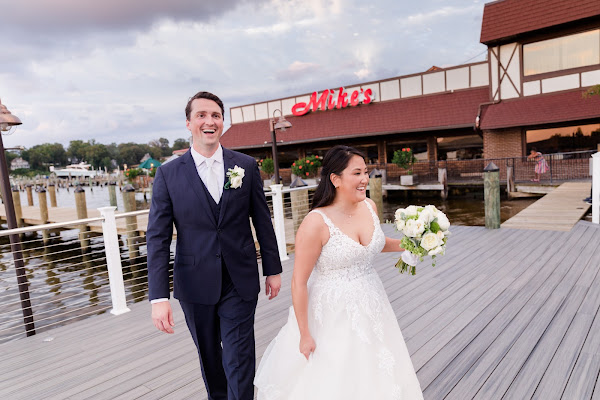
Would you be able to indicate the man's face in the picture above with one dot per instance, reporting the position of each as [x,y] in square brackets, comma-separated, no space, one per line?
[205,124]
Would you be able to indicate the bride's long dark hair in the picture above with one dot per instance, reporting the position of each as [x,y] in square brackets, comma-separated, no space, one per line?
[336,160]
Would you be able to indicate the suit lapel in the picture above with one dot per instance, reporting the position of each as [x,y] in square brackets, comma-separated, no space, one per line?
[191,174]
[228,162]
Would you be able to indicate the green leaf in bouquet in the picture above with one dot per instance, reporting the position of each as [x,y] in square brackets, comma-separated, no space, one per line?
[434,226]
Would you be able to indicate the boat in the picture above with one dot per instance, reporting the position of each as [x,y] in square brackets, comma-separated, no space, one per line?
[81,170]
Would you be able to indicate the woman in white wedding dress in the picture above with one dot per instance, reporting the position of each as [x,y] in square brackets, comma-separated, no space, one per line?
[342,339]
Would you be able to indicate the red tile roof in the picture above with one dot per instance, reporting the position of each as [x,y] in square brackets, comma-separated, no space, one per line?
[506,18]
[539,110]
[438,111]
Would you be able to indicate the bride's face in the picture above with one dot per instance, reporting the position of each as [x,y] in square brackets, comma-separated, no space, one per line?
[352,183]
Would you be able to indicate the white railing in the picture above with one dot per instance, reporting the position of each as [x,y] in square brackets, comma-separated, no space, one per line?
[89,266]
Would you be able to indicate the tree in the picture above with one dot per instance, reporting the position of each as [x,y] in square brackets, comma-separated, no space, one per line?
[163,145]
[180,144]
[42,155]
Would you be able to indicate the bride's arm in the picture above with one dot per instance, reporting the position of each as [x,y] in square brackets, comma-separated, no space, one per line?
[309,242]
[390,244]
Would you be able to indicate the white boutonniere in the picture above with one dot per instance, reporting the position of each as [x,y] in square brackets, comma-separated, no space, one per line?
[235,174]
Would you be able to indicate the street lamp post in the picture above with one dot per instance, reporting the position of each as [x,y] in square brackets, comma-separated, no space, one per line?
[7,121]
[281,124]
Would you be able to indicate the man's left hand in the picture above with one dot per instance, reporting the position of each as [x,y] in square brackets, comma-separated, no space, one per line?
[272,286]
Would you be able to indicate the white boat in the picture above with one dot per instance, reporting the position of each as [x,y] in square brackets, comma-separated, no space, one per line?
[81,170]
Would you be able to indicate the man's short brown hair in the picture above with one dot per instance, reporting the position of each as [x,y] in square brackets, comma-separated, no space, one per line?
[203,95]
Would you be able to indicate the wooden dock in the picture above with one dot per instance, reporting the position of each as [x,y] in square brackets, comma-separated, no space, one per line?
[506,314]
[558,210]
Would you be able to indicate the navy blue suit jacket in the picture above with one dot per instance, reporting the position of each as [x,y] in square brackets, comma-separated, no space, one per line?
[178,197]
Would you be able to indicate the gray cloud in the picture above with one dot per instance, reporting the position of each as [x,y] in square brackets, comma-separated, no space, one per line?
[73,16]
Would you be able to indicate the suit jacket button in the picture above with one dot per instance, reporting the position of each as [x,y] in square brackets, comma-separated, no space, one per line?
[218,256]
[219,231]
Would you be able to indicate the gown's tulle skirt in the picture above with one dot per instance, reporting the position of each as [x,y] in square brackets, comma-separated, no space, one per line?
[360,352]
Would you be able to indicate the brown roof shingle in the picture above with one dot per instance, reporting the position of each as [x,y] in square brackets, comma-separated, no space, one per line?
[507,18]
[438,111]
[539,110]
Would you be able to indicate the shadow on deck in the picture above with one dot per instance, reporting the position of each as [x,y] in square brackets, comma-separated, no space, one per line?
[506,314]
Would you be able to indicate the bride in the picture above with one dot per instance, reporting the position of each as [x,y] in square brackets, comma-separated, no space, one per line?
[342,339]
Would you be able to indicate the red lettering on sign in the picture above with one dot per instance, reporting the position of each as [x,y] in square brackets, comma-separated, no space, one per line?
[327,100]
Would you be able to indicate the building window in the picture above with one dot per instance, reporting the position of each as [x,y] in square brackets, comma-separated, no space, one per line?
[466,147]
[573,51]
[566,139]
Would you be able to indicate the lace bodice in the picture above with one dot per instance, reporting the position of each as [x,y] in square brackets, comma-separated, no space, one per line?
[345,258]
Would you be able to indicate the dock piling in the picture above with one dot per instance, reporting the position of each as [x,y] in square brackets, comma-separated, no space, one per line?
[491,193]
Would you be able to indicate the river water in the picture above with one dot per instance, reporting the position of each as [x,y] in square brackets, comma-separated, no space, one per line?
[66,285]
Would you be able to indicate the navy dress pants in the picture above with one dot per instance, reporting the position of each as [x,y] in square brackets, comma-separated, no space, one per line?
[228,371]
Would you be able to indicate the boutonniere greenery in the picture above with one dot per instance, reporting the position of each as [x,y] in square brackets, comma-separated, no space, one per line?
[235,174]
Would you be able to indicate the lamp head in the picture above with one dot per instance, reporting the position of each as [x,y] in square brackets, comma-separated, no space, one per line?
[7,120]
[281,123]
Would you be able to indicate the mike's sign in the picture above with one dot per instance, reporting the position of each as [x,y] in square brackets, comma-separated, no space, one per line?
[330,100]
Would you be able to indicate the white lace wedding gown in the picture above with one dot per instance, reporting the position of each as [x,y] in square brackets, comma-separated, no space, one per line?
[360,352]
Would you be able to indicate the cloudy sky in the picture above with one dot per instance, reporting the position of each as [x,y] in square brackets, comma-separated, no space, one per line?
[122,70]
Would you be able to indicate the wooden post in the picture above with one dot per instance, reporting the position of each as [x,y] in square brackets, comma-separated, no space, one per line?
[510,181]
[18,209]
[81,206]
[443,179]
[42,200]
[29,190]
[299,199]
[131,226]
[52,192]
[112,193]
[376,194]
[491,193]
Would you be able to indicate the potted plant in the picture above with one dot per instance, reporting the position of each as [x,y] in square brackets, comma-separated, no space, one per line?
[405,159]
[306,167]
[268,167]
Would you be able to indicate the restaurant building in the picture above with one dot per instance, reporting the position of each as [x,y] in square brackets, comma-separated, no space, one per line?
[543,56]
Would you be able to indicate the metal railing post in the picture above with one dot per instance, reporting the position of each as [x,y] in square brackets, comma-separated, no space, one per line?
[113,261]
[279,223]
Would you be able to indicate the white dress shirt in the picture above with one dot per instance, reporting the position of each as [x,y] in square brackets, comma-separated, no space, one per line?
[202,168]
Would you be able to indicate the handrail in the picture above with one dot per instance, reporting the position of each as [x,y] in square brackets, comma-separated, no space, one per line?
[54,225]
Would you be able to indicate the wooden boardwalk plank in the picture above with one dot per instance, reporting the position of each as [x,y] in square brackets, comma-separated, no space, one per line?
[501,309]
[558,210]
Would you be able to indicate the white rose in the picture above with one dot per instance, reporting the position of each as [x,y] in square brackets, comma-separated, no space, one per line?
[443,222]
[414,228]
[432,209]
[426,216]
[436,251]
[440,234]
[411,211]
[430,241]
[400,224]
[236,181]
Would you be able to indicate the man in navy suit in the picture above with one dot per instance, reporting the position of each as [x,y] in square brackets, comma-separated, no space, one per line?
[215,274]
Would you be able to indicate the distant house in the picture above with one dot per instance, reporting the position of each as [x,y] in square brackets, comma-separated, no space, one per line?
[146,157]
[19,163]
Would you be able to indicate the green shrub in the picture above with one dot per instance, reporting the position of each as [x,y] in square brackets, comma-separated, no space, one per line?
[267,166]
[404,159]
[306,167]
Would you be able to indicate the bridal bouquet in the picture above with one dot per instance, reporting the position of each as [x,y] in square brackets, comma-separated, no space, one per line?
[425,232]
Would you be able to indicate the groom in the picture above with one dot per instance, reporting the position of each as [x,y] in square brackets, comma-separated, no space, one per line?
[215,274]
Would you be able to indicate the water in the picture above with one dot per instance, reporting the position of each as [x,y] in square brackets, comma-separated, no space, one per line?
[468,209]
[95,197]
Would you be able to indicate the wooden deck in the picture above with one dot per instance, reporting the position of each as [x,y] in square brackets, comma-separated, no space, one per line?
[558,210]
[506,314]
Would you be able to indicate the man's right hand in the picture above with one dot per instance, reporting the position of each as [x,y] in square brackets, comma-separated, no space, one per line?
[162,316]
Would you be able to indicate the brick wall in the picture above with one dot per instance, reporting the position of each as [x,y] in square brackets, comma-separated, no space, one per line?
[504,143]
